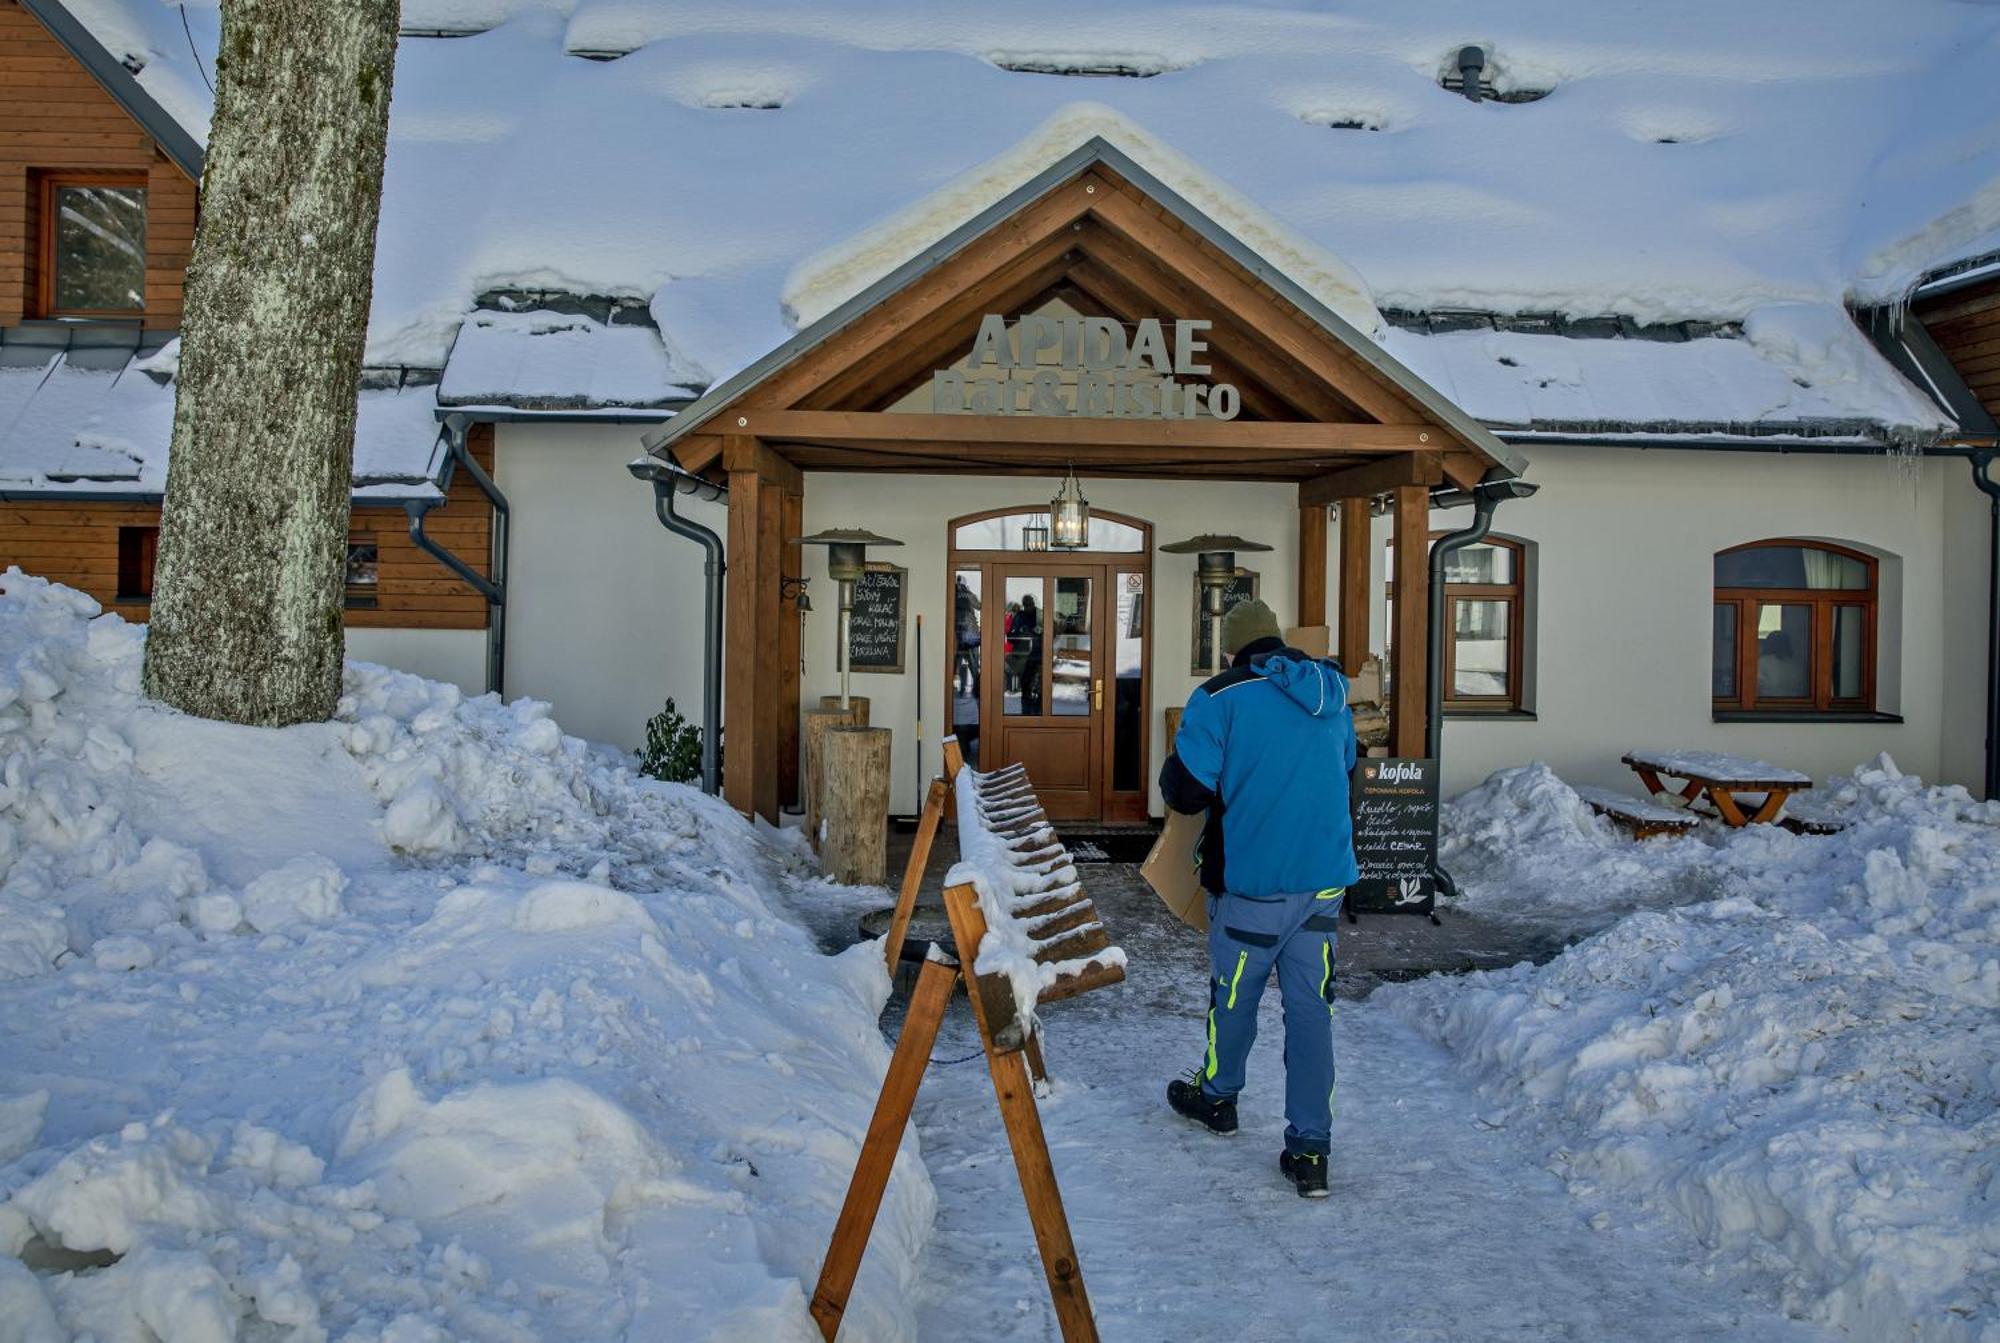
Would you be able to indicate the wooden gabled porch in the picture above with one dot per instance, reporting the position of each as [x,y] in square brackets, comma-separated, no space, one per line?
[1321,405]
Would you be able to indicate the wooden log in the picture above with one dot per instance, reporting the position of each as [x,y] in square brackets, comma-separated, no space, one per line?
[1073,945]
[878,1149]
[855,802]
[913,871]
[1093,976]
[857,703]
[812,775]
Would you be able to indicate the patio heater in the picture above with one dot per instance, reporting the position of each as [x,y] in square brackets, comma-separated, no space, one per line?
[846,561]
[1214,569]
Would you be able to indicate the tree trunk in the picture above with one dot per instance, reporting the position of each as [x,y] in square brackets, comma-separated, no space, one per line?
[250,584]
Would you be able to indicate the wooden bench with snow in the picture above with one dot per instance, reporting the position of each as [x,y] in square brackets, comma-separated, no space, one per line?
[1026,935]
[1643,817]
[1740,792]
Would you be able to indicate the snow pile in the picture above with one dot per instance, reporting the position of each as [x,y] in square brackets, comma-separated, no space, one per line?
[1801,1072]
[427,1023]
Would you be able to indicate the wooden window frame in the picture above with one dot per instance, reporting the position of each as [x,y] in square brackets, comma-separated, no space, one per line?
[1821,603]
[1515,594]
[136,569]
[46,186]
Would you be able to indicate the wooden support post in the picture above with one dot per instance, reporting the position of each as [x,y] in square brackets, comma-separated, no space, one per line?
[1357,587]
[751,691]
[1312,565]
[1016,1093]
[1412,580]
[791,516]
[855,798]
[954,759]
[913,871]
[878,1149]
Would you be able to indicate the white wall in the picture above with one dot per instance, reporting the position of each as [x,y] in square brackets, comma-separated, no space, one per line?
[604,615]
[1625,540]
[458,656]
[914,510]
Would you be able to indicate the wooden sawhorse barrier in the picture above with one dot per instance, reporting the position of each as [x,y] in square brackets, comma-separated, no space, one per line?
[1032,883]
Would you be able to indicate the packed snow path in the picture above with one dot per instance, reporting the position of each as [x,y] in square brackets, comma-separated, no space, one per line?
[1439,1228]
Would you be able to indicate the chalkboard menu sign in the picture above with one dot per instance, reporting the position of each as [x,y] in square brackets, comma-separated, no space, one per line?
[1241,589]
[1395,808]
[875,634]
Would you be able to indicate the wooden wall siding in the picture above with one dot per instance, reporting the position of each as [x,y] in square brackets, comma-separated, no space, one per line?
[77,544]
[1966,326]
[55,116]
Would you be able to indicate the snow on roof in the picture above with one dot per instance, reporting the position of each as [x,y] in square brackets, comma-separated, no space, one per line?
[553,360]
[99,421]
[737,167]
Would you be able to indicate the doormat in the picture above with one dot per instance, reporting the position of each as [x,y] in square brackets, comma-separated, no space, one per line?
[1116,846]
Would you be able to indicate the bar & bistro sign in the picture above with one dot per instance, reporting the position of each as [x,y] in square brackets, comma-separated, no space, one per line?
[1095,371]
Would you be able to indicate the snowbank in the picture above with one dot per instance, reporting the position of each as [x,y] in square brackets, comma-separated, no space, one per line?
[1801,1072]
[427,1023]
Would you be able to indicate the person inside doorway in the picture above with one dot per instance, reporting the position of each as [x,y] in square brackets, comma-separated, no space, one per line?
[1265,749]
[965,619]
[1024,648]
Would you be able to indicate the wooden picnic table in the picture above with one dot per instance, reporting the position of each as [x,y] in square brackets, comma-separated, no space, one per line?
[1743,792]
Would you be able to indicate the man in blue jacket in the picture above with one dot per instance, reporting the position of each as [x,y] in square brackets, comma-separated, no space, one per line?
[1266,748]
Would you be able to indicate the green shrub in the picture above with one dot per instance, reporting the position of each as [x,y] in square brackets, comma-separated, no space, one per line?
[673,748]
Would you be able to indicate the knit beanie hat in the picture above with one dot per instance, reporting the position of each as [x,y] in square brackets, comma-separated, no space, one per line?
[1247,622]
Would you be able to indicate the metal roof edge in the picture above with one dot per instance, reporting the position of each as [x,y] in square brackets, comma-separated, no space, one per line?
[1092,151]
[123,86]
[1779,443]
[1964,273]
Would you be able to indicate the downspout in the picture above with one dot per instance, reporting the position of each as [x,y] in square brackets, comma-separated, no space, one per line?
[1485,500]
[493,589]
[669,481]
[1982,476]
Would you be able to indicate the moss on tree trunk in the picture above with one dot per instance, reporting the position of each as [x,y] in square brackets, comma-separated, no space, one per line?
[247,607]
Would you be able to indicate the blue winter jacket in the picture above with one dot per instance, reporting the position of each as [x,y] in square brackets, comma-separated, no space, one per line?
[1266,748]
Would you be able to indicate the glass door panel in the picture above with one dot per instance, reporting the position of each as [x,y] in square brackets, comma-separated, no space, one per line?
[967,662]
[1072,668]
[1022,622]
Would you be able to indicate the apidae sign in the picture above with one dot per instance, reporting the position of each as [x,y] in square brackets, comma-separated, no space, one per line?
[1148,376]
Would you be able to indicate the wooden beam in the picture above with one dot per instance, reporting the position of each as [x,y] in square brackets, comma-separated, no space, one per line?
[699,452]
[1357,582]
[1110,255]
[1312,562]
[1253,438]
[1411,548]
[1372,478]
[791,564]
[1317,349]
[741,453]
[750,688]
[1463,469]
[873,335]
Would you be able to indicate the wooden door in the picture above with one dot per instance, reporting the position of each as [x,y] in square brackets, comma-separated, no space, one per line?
[1047,692]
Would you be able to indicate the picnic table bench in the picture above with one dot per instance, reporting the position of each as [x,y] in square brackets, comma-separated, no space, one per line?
[1742,792]
[1643,817]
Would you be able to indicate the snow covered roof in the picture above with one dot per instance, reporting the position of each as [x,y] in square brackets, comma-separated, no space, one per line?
[737,169]
[90,411]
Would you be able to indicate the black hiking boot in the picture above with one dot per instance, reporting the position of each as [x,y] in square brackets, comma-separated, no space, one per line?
[1307,1172]
[1187,1098]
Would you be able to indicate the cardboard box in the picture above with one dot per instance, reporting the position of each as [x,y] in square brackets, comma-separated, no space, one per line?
[1173,872]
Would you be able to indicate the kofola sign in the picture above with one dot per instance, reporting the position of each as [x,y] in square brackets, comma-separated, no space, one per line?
[1095,371]
[1395,812]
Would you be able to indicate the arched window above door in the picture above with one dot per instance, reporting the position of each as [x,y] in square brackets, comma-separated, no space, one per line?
[1027,530]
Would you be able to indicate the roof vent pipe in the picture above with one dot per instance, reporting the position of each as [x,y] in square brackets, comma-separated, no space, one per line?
[1471,65]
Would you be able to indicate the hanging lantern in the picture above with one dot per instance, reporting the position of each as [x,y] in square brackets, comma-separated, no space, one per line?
[1069,515]
[1035,536]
